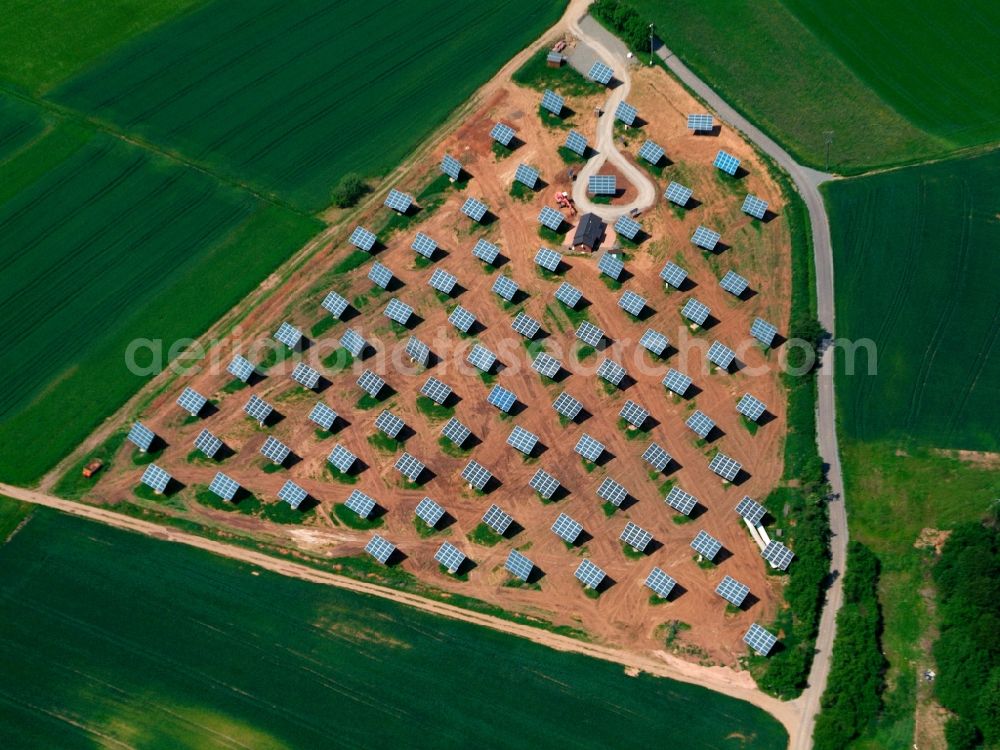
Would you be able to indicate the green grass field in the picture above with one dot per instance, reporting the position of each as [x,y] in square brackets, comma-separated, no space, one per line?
[290,96]
[916,263]
[182,649]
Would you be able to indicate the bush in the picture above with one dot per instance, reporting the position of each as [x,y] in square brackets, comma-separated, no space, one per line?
[625,20]
[961,734]
[349,191]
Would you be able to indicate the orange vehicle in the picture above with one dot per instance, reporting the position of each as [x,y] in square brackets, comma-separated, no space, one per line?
[92,468]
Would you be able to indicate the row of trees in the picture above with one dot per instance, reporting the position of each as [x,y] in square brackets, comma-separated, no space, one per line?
[625,21]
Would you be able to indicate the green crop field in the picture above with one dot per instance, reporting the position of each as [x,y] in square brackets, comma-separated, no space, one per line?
[916,268]
[895,82]
[178,648]
[290,96]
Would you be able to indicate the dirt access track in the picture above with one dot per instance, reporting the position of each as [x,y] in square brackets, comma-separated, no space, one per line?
[623,614]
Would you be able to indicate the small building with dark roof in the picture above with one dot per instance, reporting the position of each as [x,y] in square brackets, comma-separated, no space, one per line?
[589,231]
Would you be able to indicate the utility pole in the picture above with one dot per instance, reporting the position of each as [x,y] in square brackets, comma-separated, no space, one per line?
[828,139]
[650,44]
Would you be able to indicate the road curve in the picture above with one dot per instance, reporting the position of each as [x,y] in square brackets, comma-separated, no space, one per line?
[807,182]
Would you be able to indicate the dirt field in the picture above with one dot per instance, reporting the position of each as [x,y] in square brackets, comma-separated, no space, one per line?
[622,614]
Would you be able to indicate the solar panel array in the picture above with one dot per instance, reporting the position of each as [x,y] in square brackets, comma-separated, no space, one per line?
[389,424]
[677,381]
[544,484]
[442,281]
[589,448]
[462,319]
[207,443]
[611,266]
[288,335]
[700,122]
[141,436]
[590,334]
[481,358]
[732,591]
[628,227]
[380,275]
[552,102]
[362,239]
[660,583]
[695,311]
[576,143]
[763,331]
[567,406]
[548,259]
[424,245]
[566,528]
[705,238]
[634,414]
[754,206]
[224,486]
[497,519]
[450,556]
[654,341]
[305,375]
[777,554]
[651,152]
[721,355]
[341,459]
[418,351]
[292,494]
[435,390]
[568,294]
[636,537]
[398,201]
[706,545]
[602,184]
[274,450]
[750,407]
[334,304]
[506,287]
[656,457]
[679,194]
[485,251]
[456,432]
[410,467]
[526,175]
[360,503]
[476,474]
[726,467]
[381,549]
[323,415]
[612,491]
[353,342]
[501,398]
[371,383]
[611,371]
[733,283]
[550,218]
[429,512]
[700,424]
[759,639]
[626,113]
[751,510]
[726,162]
[155,478]
[681,501]
[522,440]
[632,303]
[673,274]
[518,565]
[600,73]
[451,166]
[589,574]
[191,401]
[257,408]
[546,365]
[474,209]
[504,134]
[240,368]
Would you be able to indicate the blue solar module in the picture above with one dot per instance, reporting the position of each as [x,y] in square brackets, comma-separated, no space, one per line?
[258,409]
[721,355]
[191,401]
[397,311]
[568,294]
[726,467]
[240,368]
[525,325]
[602,184]
[418,351]
[449,557]
[660,583]
[334,304]
[501,398]
[625,113]
[754,206]
[567,406]
[600,73]
[551,218]
[651,152]
[589,574]
[695,311]
[726,162]
[288,335]
[576,143]
[526,175]
[632,303]
[398,201]
[155,478]
[481,358]
[610,266]
[552,102]
[292,494]
[424,245]
[462,319]
[141,436]
[506,287]
[429,512]
[733,283]
[274,450]
[474,209]
[371,383]
[673,274]
[627,227]
[759,639]
[305,375]
[456,432]
[700,123]
[656,457]
[380,275]
[442,281]
[353,342]
[485,251]
[362,239]
[679,194]
[503,134]
[705,238]
[207,443]
[518,565]
[654,341]
[763,331]
[360,503]
[677,382]
[323,416]
[224,486]
[451,166]
[381,549]
[548,259]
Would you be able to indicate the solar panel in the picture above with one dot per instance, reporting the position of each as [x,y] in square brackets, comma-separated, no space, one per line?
[706,545]
[627,227]
[474,209]
[600,73]
[546,365]
[705,238]
[155,478]
[700,424]
[632,303]
[544,484]
[292,494]
[207,443]
[611,266]
[651,152]
[418,351]
[700,122]
[141,436]
[341,459]
[681,501]
[380,275]
[625,113]
[476,475]
[274,450]
[334,304]
[353,342]
[526,175]
[389,424]
[451,166]
[522,440]
[429,512]
[381,549]
[568,294]
[525,325]
[777,554]
[398,311]
[224,486]
[566,528]
[634,414]
[636,537]
[721,355]
[518,565]
[759,639]
[371,383]
[656,457]
[410,467]
[589,448]
[590,334]
[501,398]
[552,102]
[733,283]
[497,519]
[750,407]
[323,415]
[602,184]
[450,557]
[436,391]
[550,218]
[424,245]
[751,510]
[695,311]
[481,358]
[732,591]
[456,432]
[504,134]
[576,143]
[506,287]
[240,368]
[548,259]
[726,162]
[611,371]
[676,381]
[191,401]
[660,583]
[362,239]
[654,341]
[754,206]
[673,274]
[612,492]
[763,331]
[485,251]
[398,201]
[566,405]
[679,194]
[305,375]
[442,281]
[288,335]
[462,319]
[258,409]
[360,503]
[725,467]
[589,574]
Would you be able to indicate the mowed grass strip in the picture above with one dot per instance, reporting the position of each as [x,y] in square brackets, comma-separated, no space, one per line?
[917,268]
[278,662]
[290,96]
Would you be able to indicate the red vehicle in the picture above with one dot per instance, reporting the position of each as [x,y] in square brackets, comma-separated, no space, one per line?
[92,468]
